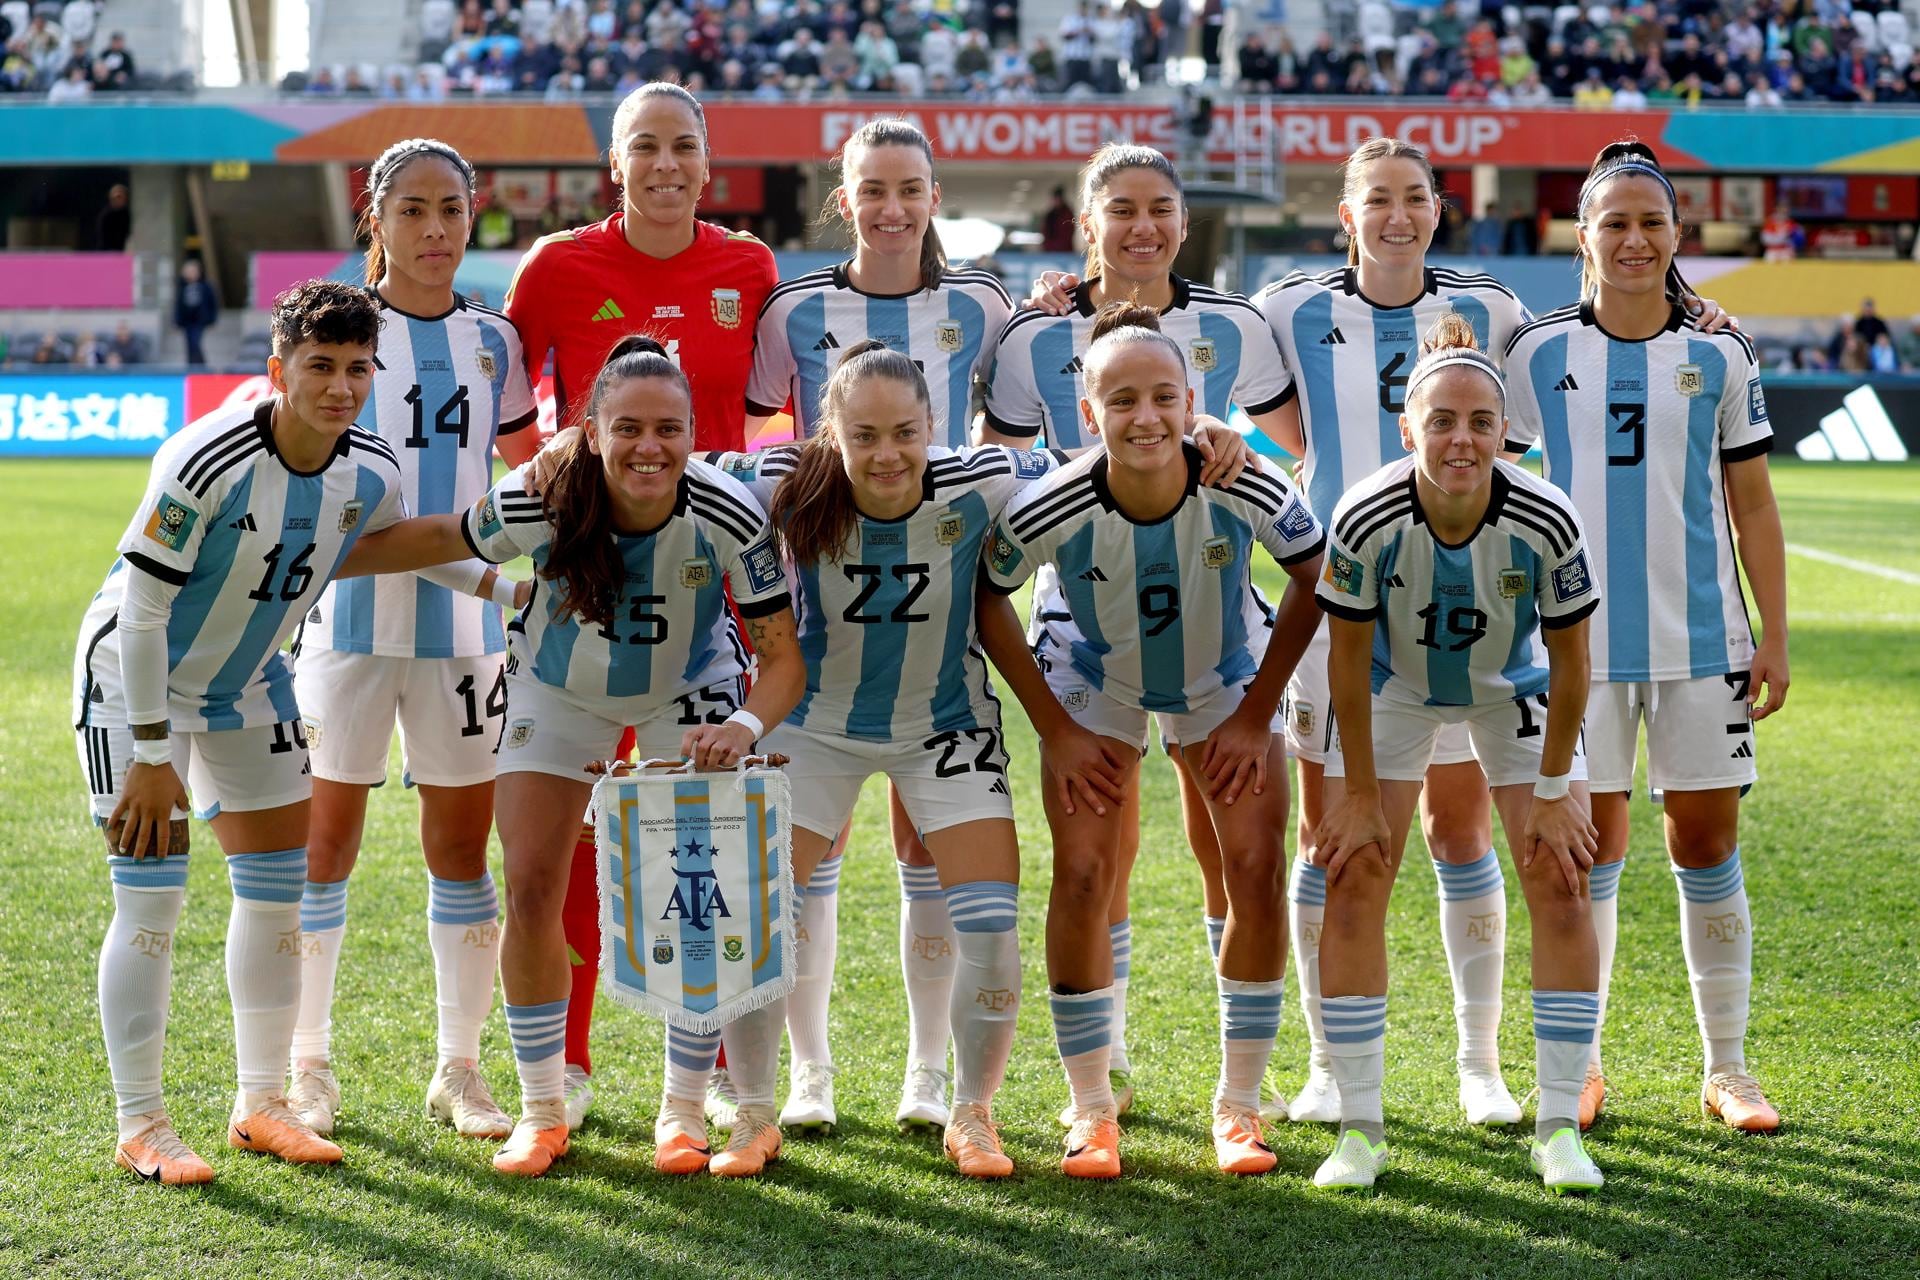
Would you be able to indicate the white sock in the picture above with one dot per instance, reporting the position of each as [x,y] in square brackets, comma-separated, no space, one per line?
[690,1058]
[263,963]
[926,962]
[538,1033]
[1563,1026]
[1121,937]
[1716,933]
[1082,1028]
[323,924]
[1306,910]
[753,1052]
[1473,929]
[1603,885]
[1357,1045]
[136,981]
[1249,1020]
[463,931]
[818,943]
[986,987]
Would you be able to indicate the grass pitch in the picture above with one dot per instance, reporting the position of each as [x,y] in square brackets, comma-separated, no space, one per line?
[1828,841]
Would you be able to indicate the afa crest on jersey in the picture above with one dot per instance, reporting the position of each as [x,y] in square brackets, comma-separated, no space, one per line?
[1205,356]
[696,573]
[519,733]
[1514,583]
[1688,380]
[483,361]
[1217,552]
[350,514]
[951,528]
[726,308]
[947,335]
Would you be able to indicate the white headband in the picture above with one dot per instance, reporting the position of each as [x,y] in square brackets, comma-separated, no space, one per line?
[1461,356]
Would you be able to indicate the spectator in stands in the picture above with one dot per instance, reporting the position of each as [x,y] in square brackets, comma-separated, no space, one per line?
[1592,94]
[1324,59]
[355,85]
[800,58]
[321,82]
[1446,26]
[114,67]
[1882,357]
[769,88]
[89,350]
[878,55]
[17,73]
[838,61]
[114,224]
[427,86]
[1516,65]
[78,18]
[1009,66]
[1523,231]
[973,59]
[1868,325]
[1627,96]
[1910,346]
[1076,46]
[1853,357]
[1043,66]
[1112,42]
[1057,224]
[72,87]
[939,46]
[195,308]
[124,348]
[1760,93]
[1487,233]
[1259,69]
[50,350]
[46,47]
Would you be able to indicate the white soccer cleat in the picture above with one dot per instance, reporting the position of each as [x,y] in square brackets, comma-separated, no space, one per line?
[458,1096]
[314,1096]
[579,1096]
[723,1100]
[1485,1098]
[1564,1165]
[1318,1101]
[1354,1164]
[810,1100]
[923,1097]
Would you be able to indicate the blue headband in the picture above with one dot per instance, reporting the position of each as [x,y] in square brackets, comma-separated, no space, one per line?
[1629,166]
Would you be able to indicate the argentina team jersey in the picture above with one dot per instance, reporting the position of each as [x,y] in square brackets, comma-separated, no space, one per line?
[1158,614]
[807,324]
[671,630]
[441,386]
[888,630]
[1455,625]
[247,544]
[1036,383]
[1638,433]
[1349,359]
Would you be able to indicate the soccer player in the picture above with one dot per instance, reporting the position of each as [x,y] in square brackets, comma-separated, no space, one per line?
[1442,570]
[1350,337]
[450,383]
[884,530]
[1160,617]
[896,289]
[635,545]
[1659,432]
[178,674]
[652,267]
[1134,218]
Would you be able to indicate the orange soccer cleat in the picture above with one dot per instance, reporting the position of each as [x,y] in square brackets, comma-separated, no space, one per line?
[973,1144]
[1735,1097]
[754,1144]
[1237,1142]
[274,1128]
[1093,1145]
[157,1155]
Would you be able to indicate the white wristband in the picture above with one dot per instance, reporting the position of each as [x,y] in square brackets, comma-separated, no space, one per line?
[153,751]
[503,589]
[1552,788]
[749,721]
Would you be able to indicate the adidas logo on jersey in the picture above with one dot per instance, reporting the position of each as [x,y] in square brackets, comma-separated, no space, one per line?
[999,787]
[1093,575]
[1566,384]
[1072,366]
[827,343]
[1393,580]
[609,310]
[245,524]
[1742,752]
[1334,338]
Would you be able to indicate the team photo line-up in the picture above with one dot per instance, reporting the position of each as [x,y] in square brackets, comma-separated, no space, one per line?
[1493,642]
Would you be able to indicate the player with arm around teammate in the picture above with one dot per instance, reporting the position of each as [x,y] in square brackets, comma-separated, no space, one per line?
[634,544]
[1444,570]
[897,289]
[451,382]
[1658,430]
[1154,571]
[883,533]
[178,675]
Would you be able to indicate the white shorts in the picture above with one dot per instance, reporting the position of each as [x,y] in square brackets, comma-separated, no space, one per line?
[1505,736]
[1308,712]
[450,712]
[1101,713]
[548,732]
[944,780]
[232,770]
[1699,733]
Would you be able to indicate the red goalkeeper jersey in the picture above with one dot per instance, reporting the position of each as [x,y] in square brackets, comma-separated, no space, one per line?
[580,291]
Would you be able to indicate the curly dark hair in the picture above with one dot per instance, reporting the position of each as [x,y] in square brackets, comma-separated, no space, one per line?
[329,311]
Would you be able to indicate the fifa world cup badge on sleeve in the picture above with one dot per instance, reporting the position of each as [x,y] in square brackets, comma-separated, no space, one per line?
[1571,579]
[170,523]
[1004,554]
[1345,573]
[489,518]
[1295,522]
[696,887]
[1029,465]
[763,567]
[1756,404]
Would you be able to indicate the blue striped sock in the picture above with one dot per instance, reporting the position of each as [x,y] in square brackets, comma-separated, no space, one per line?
[323,906]
[462,901]
[1356,1049]
[169,872]
[1082,1030]
[690,1059]
[1308,884]
[1564,1024]
[1603,882]
[279,876]
[1475,879]
[1711,884]
[1121,937]
[538,1033]
[825,880]
[984,906]
[1249,1020]
[919,882]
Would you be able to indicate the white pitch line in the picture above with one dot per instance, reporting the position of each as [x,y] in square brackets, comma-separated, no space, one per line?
[1858,566]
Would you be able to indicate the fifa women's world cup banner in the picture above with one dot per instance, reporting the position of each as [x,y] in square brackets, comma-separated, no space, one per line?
[696,882]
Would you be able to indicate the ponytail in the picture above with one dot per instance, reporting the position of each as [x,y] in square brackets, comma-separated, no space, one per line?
[380,179]
[1629,157]
[1103,166]
[1353,169]
[1117,323]
[1452,342]
[893,133]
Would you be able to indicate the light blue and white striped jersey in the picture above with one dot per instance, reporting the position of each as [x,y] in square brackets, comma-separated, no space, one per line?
[444,387]
[888,631]
[672,631]
[248,543]
[1638,434]
[808,322]
[1036,382]
[1455,626]
[1158,614]
[1349,358]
